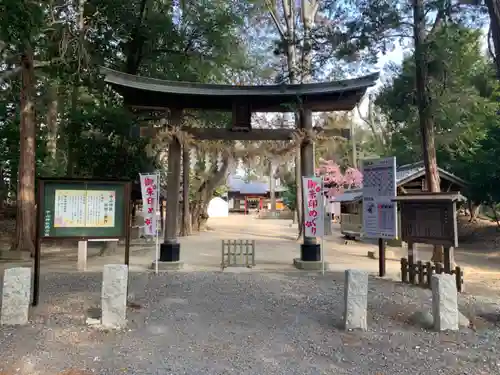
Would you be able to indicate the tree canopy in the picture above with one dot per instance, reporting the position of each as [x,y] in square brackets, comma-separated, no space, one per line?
[464,106]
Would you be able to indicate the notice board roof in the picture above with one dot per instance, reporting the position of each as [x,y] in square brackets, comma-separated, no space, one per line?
[454,197]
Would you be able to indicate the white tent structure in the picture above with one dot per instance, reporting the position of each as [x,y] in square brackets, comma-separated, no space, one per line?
[218,207]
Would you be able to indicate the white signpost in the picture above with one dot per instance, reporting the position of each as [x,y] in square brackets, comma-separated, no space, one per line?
[379,188]
[314,211]
[379,211]
[150,189]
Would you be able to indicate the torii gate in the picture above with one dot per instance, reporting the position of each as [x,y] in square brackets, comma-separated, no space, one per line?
[147,94]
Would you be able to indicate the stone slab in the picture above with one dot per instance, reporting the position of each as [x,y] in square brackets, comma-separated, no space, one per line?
[309,266]
[114,295]
[355,299]
[168,266]
[16,296]
[444,302]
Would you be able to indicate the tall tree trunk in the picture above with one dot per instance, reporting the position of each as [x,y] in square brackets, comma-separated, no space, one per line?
[3,188]
[25,219]
[186,226]
[494,12]
[354,151]
[206,191]
[474,209]
[135,43]
[272,187]
[173,181]
[424,108]
[74,128]
[298,183]
[52,128]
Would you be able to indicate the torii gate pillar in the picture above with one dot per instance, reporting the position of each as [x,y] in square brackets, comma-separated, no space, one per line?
[310,251]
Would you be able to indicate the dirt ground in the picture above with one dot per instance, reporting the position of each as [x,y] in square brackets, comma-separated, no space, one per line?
[276,246]
[252,322]
[202,320]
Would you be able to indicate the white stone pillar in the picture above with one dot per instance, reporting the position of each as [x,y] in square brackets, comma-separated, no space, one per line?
[16,296]
[355,299]
[114,295]
[444,302]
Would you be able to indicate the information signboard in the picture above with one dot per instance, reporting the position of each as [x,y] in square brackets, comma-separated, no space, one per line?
[80,209]
[379,189]
[430,218]
[83,209]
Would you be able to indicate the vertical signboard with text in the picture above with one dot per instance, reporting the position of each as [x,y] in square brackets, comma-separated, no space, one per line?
[150,202]
[379,189]
[314,220]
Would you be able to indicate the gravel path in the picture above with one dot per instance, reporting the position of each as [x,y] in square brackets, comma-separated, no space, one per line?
[243,323]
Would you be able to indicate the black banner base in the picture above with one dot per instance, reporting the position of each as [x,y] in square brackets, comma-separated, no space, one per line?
[310,252]
[170,252]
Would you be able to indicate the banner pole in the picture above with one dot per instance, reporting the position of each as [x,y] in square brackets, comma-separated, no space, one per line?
[323,234]
[157,206]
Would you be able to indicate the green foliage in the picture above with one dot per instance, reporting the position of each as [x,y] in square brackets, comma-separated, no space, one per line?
[462,107]
[221,191]
[485,175]
[189,41]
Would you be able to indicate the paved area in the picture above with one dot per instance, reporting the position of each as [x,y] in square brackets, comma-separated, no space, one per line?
[272,319]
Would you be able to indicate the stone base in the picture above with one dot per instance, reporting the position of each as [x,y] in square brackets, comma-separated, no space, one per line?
[170,252]
[15,255]
[310,252]
[309,266]
[168,266]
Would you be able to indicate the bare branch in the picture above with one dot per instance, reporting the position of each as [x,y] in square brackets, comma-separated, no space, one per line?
[273,12]
[9,74]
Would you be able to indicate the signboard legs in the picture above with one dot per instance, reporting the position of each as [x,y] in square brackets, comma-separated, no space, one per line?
[381,257]
[36,265]
[411,261]
[448,259]
[36,270]
[82,256]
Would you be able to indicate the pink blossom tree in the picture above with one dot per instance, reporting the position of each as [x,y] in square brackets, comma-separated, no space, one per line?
[334,180]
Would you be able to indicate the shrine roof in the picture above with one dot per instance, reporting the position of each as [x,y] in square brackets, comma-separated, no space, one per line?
[151,93]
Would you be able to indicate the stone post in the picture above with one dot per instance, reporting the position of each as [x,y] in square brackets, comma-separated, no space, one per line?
[310,251]
[16,296]
[355,299]
[170,248]
[82,256]
[444,302]
[114,295]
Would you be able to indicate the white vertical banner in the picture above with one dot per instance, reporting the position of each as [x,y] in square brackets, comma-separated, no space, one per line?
[150,202]
[314,210]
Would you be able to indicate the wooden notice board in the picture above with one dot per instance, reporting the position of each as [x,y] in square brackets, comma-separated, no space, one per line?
[81,209]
